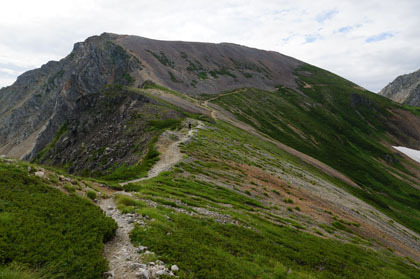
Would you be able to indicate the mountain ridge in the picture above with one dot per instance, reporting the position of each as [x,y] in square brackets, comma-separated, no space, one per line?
[101,60]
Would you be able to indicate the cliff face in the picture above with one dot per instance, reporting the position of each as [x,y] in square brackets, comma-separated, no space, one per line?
[404,89]
[42,100]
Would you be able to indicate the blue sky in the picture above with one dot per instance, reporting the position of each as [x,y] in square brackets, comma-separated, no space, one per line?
[326,15]
[379,37]
[369,42]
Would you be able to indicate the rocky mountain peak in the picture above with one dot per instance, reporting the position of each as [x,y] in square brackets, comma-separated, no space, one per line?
[34,108]
[41,100]
[404,89]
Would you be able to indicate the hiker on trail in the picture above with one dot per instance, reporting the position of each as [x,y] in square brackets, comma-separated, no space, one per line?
[189,125]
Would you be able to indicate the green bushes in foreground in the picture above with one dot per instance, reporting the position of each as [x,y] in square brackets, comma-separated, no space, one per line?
[58,235]
[91,195]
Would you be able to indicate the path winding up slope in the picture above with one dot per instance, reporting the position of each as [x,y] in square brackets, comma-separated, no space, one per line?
[170,154]
[124,260]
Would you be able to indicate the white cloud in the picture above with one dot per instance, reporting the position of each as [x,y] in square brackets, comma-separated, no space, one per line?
[369,42]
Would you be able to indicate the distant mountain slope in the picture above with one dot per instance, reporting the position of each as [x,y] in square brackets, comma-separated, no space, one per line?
[404,89]
[40,101]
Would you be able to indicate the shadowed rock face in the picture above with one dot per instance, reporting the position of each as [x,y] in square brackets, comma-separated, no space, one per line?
[404,89]
[42,100]
[106,130]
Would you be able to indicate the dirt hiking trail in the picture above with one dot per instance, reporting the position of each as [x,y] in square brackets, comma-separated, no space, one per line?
[125,259]
[168,147]
[119,251]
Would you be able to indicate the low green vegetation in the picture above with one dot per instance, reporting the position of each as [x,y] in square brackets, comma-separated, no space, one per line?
[56,234]
[129,80]
[202,75]
[168,105]
[171,124]
[152,85]
[41,155]
[412,109]
[195,66]
[249,66]
[203,248]
[191,192]
[69,188]
[161,57]
[222,72]
[251,246]
[173,78]
[14,272]
[336,122]
[91,195]
[126,204]
[238,236]
[256,248]
[138,170]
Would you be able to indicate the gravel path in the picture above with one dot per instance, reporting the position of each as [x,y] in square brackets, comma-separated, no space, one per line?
[124,259]
[120,253]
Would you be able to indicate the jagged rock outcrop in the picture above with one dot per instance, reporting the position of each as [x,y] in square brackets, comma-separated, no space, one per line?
[404,89]
[41,100]
[106,130]
[34,108]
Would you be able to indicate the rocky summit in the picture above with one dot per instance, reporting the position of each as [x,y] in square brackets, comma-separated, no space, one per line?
[405,89]
[42,100]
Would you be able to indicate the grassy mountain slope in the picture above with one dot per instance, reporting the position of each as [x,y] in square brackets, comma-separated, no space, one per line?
[56,234]
[229,210]
[262,213]
[344,126]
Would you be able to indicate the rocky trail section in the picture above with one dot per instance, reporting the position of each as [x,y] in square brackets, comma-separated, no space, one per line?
[125,260]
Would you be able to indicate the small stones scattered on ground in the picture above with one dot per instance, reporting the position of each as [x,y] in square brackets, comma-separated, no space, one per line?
[63,178]
[60,180]
[6,160]
[40,174]
[126,260]
[217,217]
